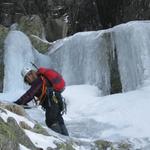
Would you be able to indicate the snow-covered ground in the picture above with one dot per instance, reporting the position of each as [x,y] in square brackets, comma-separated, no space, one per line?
[91,115]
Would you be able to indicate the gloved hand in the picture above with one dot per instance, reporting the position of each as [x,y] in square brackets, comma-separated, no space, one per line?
[16,102]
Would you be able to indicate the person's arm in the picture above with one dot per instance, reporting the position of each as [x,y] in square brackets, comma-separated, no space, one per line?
[29,95]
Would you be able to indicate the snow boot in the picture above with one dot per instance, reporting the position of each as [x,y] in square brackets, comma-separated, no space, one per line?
[56,127]
[64,130]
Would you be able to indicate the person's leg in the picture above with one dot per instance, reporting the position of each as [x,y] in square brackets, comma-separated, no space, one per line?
[56,127]
[54,119]
[51,119]
[64,130]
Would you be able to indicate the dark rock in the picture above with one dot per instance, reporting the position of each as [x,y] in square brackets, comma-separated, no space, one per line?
[19,135]
[13,108]
[8,144]
[24,125]
[2,111]
[103,145]
[56,28]
[39,129]
[33,27]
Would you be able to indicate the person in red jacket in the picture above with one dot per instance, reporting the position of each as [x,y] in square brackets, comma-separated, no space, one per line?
[46,86]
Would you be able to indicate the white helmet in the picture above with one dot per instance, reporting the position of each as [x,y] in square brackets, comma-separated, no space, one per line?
[25,71]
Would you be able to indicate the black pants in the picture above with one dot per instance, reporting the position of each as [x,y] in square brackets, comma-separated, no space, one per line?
[54,119]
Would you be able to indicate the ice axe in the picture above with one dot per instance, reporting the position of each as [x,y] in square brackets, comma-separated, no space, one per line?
[34,65]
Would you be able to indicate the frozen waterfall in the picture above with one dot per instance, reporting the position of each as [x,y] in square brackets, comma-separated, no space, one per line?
[18,54]
[85,58]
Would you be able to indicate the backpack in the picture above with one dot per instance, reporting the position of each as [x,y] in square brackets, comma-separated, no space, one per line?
[53,77]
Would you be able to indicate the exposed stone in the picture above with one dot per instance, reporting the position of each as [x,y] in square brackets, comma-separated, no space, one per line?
[24,125]
[19,135]
[56,28]
[103,145]
[7,137]
[13,108]
[39,129]
[125,146]
[115,81]
[7,144]
[32,25]
[2,111]
[64,146]
[39,44]
[11,135]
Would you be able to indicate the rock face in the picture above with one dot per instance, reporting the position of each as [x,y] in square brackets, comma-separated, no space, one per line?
[11,134]
[33,27]
[65,17]
[3,34]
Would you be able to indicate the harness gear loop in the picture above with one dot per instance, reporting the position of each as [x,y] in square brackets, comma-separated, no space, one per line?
[46,91]
[55,99]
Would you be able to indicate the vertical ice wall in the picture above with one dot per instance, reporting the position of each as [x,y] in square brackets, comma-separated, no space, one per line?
[133,51]
[83,58]
[18,53]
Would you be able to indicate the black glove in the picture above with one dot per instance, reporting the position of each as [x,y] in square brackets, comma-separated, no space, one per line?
[17,102]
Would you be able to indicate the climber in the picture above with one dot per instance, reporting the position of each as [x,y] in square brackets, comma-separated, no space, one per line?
[46,87]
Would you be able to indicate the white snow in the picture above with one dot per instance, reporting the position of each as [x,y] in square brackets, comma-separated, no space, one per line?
[23,147]
[124,114]
[17,117]
[90,114]
[41,140]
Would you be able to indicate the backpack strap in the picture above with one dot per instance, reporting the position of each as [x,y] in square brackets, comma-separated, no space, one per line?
[44,90]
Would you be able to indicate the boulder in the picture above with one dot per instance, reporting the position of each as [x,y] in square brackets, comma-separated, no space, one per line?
[39,129]
[33,27]
[13,108]
[56,28]
[18,134]
[7,143]
[24,125]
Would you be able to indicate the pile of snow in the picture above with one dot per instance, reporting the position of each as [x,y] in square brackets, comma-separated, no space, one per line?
[124,115]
